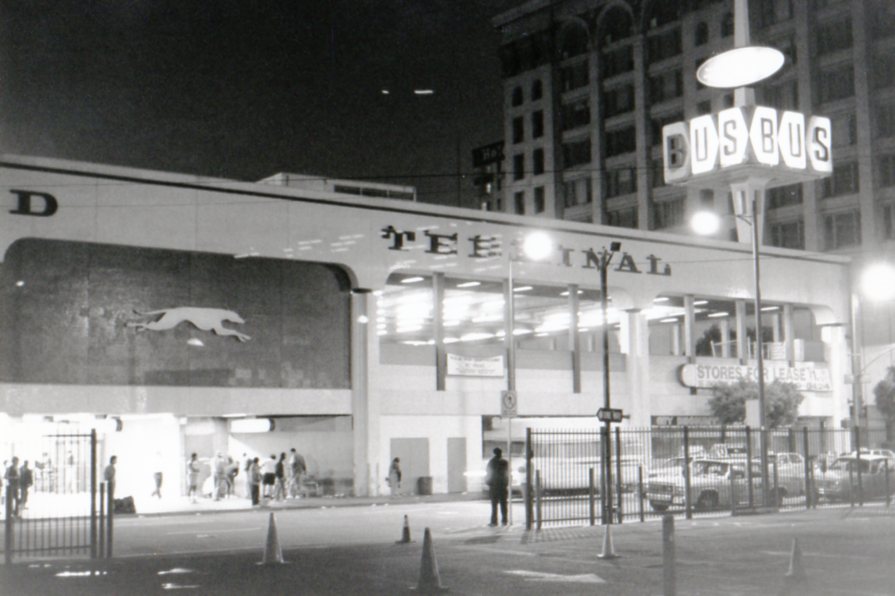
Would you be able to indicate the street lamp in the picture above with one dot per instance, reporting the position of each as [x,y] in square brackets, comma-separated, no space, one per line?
[536,246]
[605,259]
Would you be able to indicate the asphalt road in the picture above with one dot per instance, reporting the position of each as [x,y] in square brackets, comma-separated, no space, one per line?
[352,550]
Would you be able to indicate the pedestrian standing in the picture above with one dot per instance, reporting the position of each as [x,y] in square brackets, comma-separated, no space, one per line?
[298,469]
[232,473]
[497,478]
[192,476]
[219,469]
[26,479]
[254,476]
[247,469]
[109,475]
[12,485]
[280,471]
[394,476]
[269,475]
[157,475]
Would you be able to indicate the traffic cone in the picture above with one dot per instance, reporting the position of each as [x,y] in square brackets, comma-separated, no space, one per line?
[273,555]
[608,549]
[796,570]
[429,582]
[405,533]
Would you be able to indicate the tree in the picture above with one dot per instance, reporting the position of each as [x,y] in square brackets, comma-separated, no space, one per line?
[884,392]
[728,402]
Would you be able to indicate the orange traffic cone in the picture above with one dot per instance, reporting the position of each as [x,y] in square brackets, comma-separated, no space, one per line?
[429,582]
[405,533]
[273,555]
[796,571]
[608,549]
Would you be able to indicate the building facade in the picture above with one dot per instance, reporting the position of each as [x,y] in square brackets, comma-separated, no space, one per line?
[181,314]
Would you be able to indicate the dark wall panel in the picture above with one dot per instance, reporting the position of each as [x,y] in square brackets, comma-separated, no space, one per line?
[64,309]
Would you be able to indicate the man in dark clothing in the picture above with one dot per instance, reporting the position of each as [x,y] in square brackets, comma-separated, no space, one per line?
[498,480]
[12,486]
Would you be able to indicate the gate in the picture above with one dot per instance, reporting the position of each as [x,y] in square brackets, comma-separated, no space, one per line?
[52,510]
[700,470]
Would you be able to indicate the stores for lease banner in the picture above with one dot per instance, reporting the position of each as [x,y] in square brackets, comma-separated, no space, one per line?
[180,314]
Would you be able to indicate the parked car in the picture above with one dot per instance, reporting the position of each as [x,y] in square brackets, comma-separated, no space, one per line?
[711,483]
[840,481]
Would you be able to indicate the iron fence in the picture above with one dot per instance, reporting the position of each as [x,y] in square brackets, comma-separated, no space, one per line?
[700,470]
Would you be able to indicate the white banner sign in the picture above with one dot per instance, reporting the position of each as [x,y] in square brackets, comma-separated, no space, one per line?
[705,376]
[472,366]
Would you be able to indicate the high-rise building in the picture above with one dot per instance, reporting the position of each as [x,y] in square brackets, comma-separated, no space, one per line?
[588,85]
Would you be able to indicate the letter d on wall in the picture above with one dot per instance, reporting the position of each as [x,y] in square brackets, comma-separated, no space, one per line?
[25,207]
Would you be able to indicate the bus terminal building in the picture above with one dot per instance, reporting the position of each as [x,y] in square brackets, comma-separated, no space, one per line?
[179,314]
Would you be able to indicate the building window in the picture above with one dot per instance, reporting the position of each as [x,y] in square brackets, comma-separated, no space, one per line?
[575,114]
[883,22]
[843,181]
[665,86]
[784,196]
[620,141]
[727,25]
[657,173]
[540,200]
[517,96]
[771,12]
[537,124]
[885,120]
[518,129]
[656,125]
[704,107]
[620,181]
[701,34]
[844,129]
[518,166]
[617,61]
[784,96]
[576,153]
[664,45]
[833,36]
[519,202]
[842,229]
[667,214]
[574,76]
[835,84]
[618,101]
[537,90]
[622,218]
[576,192]
[889,221]
[788,235]
[537,167]
[883,74]
[885,166]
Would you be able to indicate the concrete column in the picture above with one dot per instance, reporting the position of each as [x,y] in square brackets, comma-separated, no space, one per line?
[788,333]
[574,338]
[724,324]
[438,330]
[364,402]
[689,323]
[634,340]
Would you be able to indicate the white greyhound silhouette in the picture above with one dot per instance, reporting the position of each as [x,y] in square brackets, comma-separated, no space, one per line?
[206,319]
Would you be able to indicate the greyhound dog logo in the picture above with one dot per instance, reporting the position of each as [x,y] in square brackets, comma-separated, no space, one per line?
[206,319]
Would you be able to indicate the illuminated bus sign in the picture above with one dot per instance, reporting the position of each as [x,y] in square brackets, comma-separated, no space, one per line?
[747,135]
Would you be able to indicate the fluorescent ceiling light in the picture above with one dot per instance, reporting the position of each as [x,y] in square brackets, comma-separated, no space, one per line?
[469,284]
[769,308]
[661,299]
[715,315]
[700,302]
[523,289]
[669,320]
[411,280]
[424,92]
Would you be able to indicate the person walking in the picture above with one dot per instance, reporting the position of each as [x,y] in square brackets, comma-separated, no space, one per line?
[192,477]
[254,476]
[497,478]
[298,468]
[394,476]
[280,491]
[157,475]
[269,475]
[109,475]
[12,486]
[219,469]
[26,479]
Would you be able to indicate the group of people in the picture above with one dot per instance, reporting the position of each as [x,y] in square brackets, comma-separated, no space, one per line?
[18,482]
[276,479]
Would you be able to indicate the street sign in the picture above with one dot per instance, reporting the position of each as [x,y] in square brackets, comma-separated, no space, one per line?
[508,403]
[609,415]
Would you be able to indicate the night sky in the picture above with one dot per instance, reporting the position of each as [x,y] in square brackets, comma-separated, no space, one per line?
[242,89]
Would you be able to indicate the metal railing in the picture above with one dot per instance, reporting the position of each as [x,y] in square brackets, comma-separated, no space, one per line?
[700,470]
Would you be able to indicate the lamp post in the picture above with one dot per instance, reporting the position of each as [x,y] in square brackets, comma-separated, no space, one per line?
[535,247]
[605,259]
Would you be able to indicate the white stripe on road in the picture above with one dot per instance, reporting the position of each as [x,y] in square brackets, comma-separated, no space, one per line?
[821,555]
[215,532]
[538,576]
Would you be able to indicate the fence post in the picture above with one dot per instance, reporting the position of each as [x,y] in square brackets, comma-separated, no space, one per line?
[102,519]
[93,465]
[851,487]
[592,494]
[687,473]
[749,480]
[110,519]
[9,525]
[640,490]
[540,514]
[778,499]
[529,496]
[888,491]
[733,491]
[809,488]
[791,439]
[618,474]
[668,558]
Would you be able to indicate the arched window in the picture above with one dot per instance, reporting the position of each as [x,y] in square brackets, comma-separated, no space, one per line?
[573,40]
[617,25]
[663,12]
[701,35]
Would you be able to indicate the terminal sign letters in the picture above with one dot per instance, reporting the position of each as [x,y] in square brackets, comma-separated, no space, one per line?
[747,135]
